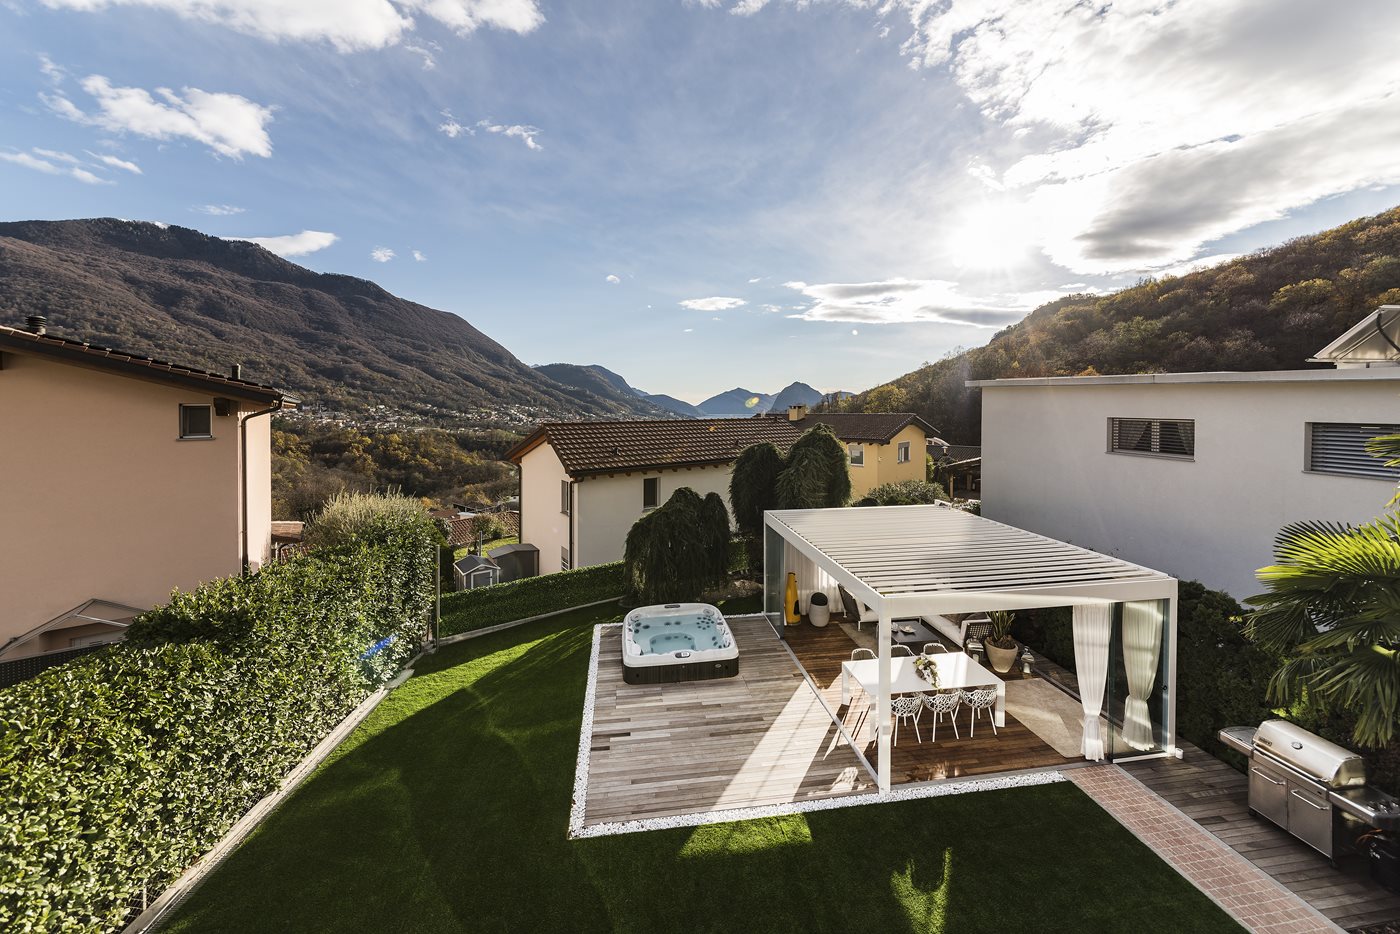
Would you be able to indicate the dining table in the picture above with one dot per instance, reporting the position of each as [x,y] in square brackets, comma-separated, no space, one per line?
[955,670]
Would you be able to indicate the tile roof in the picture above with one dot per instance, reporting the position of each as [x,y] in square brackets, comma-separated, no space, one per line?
[79,353]
[610,446]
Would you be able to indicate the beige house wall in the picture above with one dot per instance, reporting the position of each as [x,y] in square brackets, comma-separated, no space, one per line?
[100,498]
[1046,467]
[541,522]
[607,506]
[882,462]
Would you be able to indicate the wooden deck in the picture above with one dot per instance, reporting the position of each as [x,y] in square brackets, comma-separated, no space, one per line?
[761,738]
[1013,748]
[1216,796]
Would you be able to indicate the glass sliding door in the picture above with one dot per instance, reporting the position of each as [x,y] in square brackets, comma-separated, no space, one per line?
[774,579]
[1138,693]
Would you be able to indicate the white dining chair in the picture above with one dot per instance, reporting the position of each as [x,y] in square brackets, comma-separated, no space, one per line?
[907,707]
[898,651]
[860,654]
[935,648]
[978,700]
[941,703]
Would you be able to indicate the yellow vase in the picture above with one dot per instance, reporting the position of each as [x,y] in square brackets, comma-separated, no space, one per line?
[790,603]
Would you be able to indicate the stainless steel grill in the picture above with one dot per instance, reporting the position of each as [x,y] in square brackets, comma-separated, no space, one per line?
[1314,789]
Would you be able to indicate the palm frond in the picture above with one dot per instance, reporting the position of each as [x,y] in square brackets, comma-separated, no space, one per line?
[1365,680]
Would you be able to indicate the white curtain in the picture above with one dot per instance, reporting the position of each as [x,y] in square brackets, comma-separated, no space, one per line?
[810,579]
[1142,650]
[1092,625]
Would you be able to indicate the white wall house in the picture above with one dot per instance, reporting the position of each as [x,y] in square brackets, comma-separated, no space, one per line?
[1195,473]
[583,484]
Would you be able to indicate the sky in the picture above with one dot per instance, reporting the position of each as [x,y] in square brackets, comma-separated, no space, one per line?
[703,194]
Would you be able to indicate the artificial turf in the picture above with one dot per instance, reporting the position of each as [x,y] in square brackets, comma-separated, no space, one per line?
[446,811]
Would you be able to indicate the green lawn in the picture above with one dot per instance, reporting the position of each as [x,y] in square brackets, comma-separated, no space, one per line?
[446,811]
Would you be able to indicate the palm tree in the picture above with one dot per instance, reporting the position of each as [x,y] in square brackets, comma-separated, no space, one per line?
[1333,609]
[1388,447]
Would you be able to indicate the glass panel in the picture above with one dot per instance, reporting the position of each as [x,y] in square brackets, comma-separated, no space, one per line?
[1137,667]
[773,578]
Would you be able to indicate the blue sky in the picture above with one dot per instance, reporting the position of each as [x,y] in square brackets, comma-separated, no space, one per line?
[708,194]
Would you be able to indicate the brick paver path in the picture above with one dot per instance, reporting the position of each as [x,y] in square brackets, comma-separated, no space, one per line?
[1248,893]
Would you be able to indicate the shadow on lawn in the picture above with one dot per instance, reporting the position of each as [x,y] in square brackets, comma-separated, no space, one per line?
[451,816]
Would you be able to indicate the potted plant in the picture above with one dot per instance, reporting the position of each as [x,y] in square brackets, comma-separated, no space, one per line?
[1002,650]
[818,610]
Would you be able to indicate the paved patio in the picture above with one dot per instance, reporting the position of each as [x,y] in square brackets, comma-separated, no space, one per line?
[1252,897]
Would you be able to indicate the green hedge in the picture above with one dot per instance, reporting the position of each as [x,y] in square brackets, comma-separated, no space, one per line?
[1221,677]
[121,768]
[503,603]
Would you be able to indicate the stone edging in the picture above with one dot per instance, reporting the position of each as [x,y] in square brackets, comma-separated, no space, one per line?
[577,830]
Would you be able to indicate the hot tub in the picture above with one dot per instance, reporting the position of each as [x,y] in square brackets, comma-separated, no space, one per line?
[677,642]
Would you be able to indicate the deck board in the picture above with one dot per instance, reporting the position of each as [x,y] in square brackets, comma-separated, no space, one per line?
[1216,796]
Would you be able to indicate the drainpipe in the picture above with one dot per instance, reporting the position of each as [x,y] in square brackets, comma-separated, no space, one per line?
[573,512]
[243,467]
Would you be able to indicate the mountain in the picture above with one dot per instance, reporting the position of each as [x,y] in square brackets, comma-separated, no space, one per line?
[338,341]
[1270,310]
[599,386]
[735,402]
[794,394]
[674,405]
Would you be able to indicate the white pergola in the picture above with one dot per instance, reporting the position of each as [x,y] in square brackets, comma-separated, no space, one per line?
[908,561]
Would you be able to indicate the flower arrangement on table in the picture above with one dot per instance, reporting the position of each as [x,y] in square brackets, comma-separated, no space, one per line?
[927,669]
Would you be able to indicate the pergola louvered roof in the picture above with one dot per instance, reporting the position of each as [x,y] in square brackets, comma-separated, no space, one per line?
[936,559]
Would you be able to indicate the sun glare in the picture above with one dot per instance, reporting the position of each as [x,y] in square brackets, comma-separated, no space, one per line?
[991,236]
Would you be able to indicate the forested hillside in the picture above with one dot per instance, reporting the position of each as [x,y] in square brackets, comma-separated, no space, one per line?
[1270,310]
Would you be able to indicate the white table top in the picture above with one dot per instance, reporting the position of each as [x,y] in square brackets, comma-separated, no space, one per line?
[955,670]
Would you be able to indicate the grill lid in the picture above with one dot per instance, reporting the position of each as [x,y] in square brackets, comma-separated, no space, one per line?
[1311,754]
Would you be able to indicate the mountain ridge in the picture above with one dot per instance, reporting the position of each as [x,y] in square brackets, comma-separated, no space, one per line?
[339,342]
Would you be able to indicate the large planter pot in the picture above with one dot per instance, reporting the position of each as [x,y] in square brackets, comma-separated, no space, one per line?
[1001,659]
[818,612]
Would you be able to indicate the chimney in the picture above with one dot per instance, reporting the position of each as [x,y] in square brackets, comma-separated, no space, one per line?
[34,324]
[236,371]
[797,413]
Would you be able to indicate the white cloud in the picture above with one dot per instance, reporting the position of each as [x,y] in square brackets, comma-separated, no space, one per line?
[218,210]
[348,25]
[687,330]
[1133,134]
[381,254]
[114,162]
[228,124]
[518,131]
[419,257]
[900,301]
[451,127]
[755,279]
[53,72]
[51,162]
[611,279]
[426,52]
[308,241]
[715,303]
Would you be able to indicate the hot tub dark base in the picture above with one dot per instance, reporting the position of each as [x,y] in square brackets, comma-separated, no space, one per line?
[692,671]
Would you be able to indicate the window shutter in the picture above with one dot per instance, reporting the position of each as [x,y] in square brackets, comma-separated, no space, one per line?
[1169,437]
[1341,449]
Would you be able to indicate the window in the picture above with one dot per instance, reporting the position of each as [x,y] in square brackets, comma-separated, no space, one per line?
[856,454]
[196,421]
[651,492]
[566,497]
[564,562]
[902,452]
[1340,448]
[1161,437]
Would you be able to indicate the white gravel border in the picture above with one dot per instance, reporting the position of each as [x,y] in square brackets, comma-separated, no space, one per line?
[577,831]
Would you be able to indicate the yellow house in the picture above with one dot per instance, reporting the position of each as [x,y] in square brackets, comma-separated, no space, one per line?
[583,484]
[121,479]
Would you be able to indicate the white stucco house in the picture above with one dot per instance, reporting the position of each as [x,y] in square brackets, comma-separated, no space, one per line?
[1195,473]
[583,484]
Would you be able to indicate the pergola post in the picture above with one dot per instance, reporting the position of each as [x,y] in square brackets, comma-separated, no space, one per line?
[884,635]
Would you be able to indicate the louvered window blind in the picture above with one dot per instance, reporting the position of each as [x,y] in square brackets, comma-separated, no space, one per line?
[1340,448]
[1164,437]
